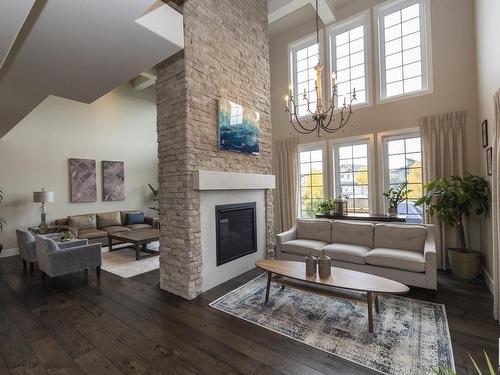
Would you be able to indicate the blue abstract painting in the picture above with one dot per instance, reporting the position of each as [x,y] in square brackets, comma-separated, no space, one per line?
[239,128]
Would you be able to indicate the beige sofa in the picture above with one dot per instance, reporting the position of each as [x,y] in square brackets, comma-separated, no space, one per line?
[95,227]
[401,252]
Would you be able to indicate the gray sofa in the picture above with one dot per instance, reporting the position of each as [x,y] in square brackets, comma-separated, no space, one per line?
[401,252]
[95,227]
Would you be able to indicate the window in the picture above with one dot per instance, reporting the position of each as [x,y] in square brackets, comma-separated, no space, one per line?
[304,57]
[402,28]
[351,168]
[311,184]
[403,163]
[350,58]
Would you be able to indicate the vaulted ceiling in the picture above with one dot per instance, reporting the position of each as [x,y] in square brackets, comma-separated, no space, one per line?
[77,49]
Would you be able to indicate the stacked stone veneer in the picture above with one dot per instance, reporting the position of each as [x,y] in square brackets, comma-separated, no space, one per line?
[226,54]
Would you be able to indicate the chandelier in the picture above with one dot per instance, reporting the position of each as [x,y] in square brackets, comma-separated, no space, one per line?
[322,119]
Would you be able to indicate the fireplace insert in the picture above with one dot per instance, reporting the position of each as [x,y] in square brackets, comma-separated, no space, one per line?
[236,228]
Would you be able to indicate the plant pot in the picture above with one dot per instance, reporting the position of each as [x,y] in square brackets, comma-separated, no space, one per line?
[393,211]
[464,263]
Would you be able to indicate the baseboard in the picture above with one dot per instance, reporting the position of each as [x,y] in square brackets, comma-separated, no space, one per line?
[9,252]
[487,279]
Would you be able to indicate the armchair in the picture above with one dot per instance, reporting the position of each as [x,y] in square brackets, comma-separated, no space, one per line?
[57,259]
[26,244]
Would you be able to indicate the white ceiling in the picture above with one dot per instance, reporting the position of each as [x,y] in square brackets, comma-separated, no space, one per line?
[286,14]
[78,49]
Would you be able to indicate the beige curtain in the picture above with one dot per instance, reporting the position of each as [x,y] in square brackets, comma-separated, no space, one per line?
[495,199]
[286,182]
[443,156]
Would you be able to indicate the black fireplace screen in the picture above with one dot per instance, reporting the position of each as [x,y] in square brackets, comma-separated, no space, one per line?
[236,231]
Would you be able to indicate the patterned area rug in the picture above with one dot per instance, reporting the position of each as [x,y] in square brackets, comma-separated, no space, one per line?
[122,262]
[410,336]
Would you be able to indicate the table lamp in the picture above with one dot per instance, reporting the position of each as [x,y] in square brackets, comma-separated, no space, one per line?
[43,197]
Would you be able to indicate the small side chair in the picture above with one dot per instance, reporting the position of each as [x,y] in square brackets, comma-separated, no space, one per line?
[26,244]
[57,259]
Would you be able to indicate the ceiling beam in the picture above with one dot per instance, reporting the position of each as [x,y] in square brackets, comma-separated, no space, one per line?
[280,8]
[144,80]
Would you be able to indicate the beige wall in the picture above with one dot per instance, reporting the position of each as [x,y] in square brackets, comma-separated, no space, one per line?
[119,126]
[488,77]
[454,72]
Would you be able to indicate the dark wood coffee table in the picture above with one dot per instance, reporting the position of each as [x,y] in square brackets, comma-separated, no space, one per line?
[139,238]
[340,278]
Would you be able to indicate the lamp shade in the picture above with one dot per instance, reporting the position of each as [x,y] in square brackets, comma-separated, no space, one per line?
[43,196]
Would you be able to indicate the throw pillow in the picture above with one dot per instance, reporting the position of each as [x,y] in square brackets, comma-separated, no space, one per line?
[135,218]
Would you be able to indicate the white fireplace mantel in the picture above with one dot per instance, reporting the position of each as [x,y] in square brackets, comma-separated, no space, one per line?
[216,180]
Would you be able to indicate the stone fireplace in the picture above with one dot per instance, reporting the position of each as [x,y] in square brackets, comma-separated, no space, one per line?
[223,57]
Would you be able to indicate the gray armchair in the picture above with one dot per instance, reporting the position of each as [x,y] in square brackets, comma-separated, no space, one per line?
[26,244]
[57,259]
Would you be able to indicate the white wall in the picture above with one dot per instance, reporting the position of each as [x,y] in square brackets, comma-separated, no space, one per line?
[119,126]
[454,72]
[487,17]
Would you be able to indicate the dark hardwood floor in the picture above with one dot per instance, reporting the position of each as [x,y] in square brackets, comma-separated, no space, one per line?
[130,326]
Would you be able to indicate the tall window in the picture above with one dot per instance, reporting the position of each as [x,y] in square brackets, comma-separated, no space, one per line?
[403,47]
[403,161]
[351,175]
[311,181]
[305,57]
[350,58]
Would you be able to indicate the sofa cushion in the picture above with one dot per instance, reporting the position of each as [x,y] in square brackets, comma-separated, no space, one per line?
[123,214]
[353,233]
[319,230]
[403,237]
[87,221]
[303,247]
[135,218]
[407,260]
[116,229]
[347,252]
[138,226]
[92,234]
[109,219]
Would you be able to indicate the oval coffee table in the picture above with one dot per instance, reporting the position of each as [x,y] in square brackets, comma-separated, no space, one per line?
[340,278]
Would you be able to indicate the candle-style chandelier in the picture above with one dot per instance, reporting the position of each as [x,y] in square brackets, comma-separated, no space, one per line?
[322,119]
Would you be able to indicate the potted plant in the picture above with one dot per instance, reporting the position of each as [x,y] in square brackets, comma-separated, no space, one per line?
[156,194]
[452,201]
[325,207]
[396,195]
[2,220]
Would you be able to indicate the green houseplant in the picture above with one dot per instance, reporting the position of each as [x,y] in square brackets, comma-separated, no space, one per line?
[491,370]
[325,207]
[396,195]
[451,201]
[156,197]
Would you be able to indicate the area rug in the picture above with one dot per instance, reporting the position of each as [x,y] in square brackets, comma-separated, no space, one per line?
[122,262]
[410,336]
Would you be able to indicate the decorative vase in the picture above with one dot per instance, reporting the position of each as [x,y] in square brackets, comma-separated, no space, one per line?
[393,211]
[325,265]
[311,265]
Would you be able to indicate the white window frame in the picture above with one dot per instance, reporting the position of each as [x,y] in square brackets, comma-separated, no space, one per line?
[313,146]
[293,47]
[337,28]
[368,139]
[383,139]
[384,9]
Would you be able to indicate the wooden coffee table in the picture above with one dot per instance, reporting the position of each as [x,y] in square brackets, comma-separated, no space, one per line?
[139,238]
[340,278]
